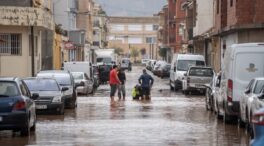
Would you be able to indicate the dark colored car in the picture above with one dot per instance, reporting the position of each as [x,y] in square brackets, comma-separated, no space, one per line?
[96,76]
[65,79]
[104,71]
[17,106]
[164,71]
[51,97]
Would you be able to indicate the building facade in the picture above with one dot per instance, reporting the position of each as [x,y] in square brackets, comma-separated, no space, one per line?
[19,35]
[138,33]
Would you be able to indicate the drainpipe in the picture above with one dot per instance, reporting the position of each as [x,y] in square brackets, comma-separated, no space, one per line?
[32,46]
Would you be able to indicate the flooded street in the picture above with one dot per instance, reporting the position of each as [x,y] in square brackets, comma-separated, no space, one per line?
[169,119]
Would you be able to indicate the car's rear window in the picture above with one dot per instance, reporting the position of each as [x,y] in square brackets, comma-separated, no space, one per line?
[8,89]
[42,85]
[62,79]
[206,72]
[77,75]
[183,65]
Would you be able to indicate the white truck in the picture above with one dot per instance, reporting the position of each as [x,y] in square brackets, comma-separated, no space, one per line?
[105,56]
[85,67]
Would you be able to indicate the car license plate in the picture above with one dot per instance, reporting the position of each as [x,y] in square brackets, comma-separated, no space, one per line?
[41,107]
[1,119]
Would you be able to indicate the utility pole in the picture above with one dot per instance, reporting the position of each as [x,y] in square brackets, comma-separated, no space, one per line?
[32,47]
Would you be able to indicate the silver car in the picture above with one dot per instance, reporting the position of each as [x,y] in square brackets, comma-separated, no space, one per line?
[196,77]
[251,101]
[84,84]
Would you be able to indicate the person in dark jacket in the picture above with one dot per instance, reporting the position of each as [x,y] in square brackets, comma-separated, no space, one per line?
[122,87]
[146,82]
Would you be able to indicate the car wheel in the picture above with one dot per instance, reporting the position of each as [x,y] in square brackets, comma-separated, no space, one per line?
[240,122]
[227,118]
[62,110]
[25,131]
[33,128]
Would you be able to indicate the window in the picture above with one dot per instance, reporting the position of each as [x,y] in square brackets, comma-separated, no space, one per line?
[135,40]
[231,3]
[11,44]
[117,27]
[135,27]
[150,40]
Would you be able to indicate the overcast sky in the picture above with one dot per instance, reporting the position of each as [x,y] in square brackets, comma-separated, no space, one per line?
[132,7]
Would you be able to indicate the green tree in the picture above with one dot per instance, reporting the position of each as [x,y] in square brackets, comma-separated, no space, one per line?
[163,52]
[119,51]
[134,53]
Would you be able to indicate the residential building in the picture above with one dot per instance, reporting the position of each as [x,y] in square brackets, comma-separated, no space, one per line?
[65,14]
[171,18]
[99,27]
[138,33]
[238,22]
[85,19]
[20,35]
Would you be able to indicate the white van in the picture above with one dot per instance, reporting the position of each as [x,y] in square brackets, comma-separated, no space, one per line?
[242,62]
[179,66]
[79,67]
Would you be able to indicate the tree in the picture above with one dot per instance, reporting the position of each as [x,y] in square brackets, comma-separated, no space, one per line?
[119,51]
[163,52]
[134,53]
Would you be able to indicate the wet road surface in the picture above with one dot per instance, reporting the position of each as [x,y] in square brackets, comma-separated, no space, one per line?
[169,119]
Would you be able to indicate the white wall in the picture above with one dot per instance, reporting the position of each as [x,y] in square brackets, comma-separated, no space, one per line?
[205,17]
[63,16]
[20,66]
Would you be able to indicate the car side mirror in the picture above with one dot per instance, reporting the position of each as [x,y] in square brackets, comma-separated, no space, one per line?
[247,91]
[35,96]
[64,89]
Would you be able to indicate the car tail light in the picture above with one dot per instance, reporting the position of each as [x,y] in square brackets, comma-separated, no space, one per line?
[258,119]
[20,105]
[230,90]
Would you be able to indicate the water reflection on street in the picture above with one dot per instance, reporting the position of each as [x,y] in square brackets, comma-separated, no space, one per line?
[168,119]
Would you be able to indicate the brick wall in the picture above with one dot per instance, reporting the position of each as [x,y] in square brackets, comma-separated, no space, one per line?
[231,15]
[259,11]
[180,18]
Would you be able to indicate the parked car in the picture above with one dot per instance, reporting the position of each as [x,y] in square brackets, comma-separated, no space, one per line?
[125,63]
[180,65]
[258,128]
[164,71]
[104,71]
[51,97]
[158,66]
[242,62]
[195,79]
[144,61]
[85,84]
[17,106]
[212,94]
[253,90]
[96,76]
[148,65]
[65,79]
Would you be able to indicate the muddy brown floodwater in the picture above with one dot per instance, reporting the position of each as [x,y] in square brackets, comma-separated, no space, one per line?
[169,119]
